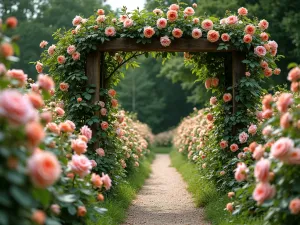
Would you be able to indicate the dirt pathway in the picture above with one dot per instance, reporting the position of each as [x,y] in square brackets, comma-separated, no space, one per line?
[164,199]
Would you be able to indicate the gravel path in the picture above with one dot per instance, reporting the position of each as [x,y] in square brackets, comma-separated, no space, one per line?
[164,199]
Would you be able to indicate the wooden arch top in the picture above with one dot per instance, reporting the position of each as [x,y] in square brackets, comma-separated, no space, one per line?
[177,45]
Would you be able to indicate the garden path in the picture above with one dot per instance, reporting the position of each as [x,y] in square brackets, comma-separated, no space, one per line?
[164,199]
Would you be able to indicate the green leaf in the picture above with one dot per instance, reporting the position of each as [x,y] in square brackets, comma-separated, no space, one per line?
[52,222]
[15,177]
[22,197]
[67,198]
[72,210]
[100,210]
[42,195]
[292,65]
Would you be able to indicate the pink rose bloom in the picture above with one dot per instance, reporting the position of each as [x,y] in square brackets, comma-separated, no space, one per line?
[101,19]
[277,71]
[177,33]
[61,59]
[294,74]
[94,164]
[230,194]
[39,217]
[77,20]
[102,104]
[106,181]
[208,83]
[284,101]
[110,31]
[252,129]
[55,209]
[196,33]
[43,168]
[86,131]
[71,49]
[18,75]
[114,103]
[223,144]
[267,114]
[250,29]
[195,5]
[268,72]
[189,11]
[273,45]
[264,64]
[262,192]
[229,207]
[100,12]
[293,157]
[100,152]
[241,172]
[213,36]
[104,125]
[174,7]
[123,18]
[263,24]
[209,117]
[260,51]
[39,67]
[103,112]
[161,23]
[112,93]
[158,12]
[196,21]
[267,100]
[34,133]
[232,20]
[148,32]
[294,86]
[46,116]
[264,36]
[243,137]
[223,21]
[81,211]
[227,97]
[207,24]
[242,11]
[79,146]
[51,50]
[53,127]
[225,37]
[281,147]
[127,23]
[234,147]
[59,111]
[285,120]
[43,44]
[294,206]
[72,125]
[64,86]
[258,152]
[213,100]
[247,38]
[259,115]
[96,180]
[80,165]
[16,108]
[76,56]
[165,41]
[262,169]
[267,130]
[172,15]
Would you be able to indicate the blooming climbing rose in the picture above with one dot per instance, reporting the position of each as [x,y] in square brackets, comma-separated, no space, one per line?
[263,24]
[18,75]
[284,101]
[106,181]
[77,20]
[223,144]
[81,211]
[294,206]
[189,11]
[196,33]
[227,97]
[225,37]
[104,125]
[100,152]
[79,146]
[76,56]
[264,36]
[247,38]
[172,15]
[86,131]
[127,23]
[260,51]
[243,137]
[234,147]
[61,59]
[148,32]
[165,41]
[261,170]
[213,36]
[110,31]
[71,49]
[80,165]
[250,29]
[161,23]
[39,67]
[252,129]
[294,74]
[51,49]
[232,20]
[174,7]
[114,103]
[241,172]
[196,20]
[112,93]
[158,12]
[100,12]
[281,147]
[34,133]
[177,33]
[213,100]
[262,192]
[43,168]
[64,86]
[96,180]
[100,19]
[242,11]
[207,24]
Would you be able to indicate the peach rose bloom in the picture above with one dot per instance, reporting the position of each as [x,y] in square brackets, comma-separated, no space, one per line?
[230,194]
[294,74]
[127,23]
[172,15]
[234,147]
[189,11]
[209,117]
[174,7]
[110,31]
[35,99]
[268,72]
[177,33]
[262,192]
[225,37]
[264,36]
[227,97]
[65,127]
[76,56]
[267,100]
[61,59]
[51,50]
[104,125]
[43,168]
[242,11]
[59,111]
[80,165]
[252,129]
[294,86]
[96,180]
[293,157]
[229,207]
[263,24]
[260,51]
[55,208]
[261,170]
[223,144]
[39,217]
[11,22]
[93,162]
[196,21]
[86,131]
[285,120]
[106,181]
[148,32]
[39,67]
[213,36]
[258,152]
[294,206]
[247,38]
[77,20]
[267,114]
[112,93]
[277,71]
[53,127]
[64,86]
[16,108]
[165,41]
[250,29]
[259,115]
[232,20]
[281,147]
[267,47]
[264,64]
[207,24]
[196,33]
[273,45]
[243,137]
[71,49]
[284,101]
[100,152]
[79,99]
[100,197]
[122,18]
[114,103]
[79,146]
[6,49]
[72,125]
[252,146]
[161,23]
[101,19]
[158,12]
[18,75]
[103,112]
[241,172]
[100,12]
[213,100]
[35,133]
[81,211]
